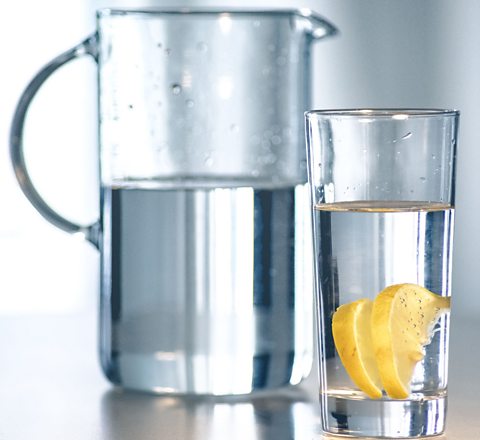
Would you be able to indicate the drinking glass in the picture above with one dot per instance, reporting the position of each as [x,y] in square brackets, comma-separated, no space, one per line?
[383,185]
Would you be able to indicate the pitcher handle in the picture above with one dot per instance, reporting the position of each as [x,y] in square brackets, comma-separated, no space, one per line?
[90,232]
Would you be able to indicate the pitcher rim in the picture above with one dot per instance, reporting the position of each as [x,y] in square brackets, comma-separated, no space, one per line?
[328,29]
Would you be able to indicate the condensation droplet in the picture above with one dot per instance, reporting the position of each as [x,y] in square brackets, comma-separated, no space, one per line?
[234,128]
[130,106]
[159,45]
[276,140]
[208,161]
[202,47]
[268,159]
[176,89]
[255,139]
[255,172]
[423,179]
[266,71]
[168,51]
[189,103]
[256,23]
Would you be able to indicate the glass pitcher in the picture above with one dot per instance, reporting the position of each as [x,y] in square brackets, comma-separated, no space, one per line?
[204,229]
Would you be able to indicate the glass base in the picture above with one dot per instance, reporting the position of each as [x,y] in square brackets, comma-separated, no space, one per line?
[383,418]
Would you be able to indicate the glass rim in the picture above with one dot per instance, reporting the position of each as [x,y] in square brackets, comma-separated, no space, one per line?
[384,113]
[302,12]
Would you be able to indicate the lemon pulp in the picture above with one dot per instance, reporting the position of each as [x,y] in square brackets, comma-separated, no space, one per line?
[403,317]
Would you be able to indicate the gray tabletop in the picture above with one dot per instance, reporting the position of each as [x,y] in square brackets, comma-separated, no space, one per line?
[51,387]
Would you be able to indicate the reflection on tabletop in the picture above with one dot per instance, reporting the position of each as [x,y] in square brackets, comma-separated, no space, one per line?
[284,415]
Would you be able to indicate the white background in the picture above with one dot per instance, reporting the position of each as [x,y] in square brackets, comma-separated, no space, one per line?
[390,53]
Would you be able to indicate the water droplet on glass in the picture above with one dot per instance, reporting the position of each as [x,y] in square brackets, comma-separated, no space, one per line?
[255,173]
[234,128]
[276,140]
[433,156]
[208,161]
[202,47]
[266,71]
[159,45]
[255,139]
[423,179]
[266,145]
[168,51]
[256,23]
[269,159]
[176,89]
[271,47]
[268,134]
[406,136]
[189,103]
[130,106]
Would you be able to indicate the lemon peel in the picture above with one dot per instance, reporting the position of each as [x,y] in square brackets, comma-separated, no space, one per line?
[351,332]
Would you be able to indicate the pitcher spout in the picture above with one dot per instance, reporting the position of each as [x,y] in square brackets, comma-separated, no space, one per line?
[314,25]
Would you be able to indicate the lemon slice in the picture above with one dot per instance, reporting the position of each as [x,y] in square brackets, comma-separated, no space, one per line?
[403,317]
[353,341]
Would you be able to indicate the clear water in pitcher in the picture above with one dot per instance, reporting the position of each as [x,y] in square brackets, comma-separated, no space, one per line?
[206,291]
